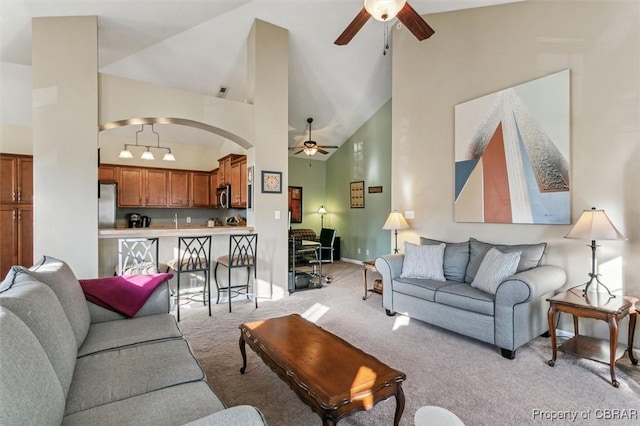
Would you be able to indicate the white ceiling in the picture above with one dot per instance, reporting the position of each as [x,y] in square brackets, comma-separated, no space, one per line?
[200,45]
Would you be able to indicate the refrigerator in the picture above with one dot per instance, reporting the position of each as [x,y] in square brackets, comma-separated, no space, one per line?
[107,193]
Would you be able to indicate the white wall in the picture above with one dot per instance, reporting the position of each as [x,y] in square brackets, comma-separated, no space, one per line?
[480,51]
[65,141]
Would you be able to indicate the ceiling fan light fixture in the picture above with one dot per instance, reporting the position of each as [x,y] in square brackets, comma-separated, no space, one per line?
[384,10]
[310,151]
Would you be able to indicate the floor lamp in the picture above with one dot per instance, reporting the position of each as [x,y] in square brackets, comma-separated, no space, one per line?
[394,222]
[322,212]
[594,225]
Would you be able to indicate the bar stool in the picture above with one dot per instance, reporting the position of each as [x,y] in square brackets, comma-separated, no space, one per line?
[242,254]
[194,254]
[137,256]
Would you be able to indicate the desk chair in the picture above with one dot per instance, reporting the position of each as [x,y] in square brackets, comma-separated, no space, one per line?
[194,255]
[324,252]
[137,256]
[242,254]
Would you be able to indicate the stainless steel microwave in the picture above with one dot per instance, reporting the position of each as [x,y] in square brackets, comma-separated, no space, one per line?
[223,197]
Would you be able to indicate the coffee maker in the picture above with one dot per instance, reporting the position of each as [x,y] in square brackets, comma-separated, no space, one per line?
[134,220]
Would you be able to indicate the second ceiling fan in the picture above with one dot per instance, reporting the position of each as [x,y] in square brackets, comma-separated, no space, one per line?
[310,147]
[384,11]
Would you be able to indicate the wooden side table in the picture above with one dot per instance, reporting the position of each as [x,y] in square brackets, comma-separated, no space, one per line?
[597,306]
[369,265]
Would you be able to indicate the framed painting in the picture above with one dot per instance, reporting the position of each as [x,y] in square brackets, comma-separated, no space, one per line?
[271,182]
[295,204]
[357,194]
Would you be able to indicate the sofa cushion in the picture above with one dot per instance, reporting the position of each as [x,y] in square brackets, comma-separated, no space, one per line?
[30,393]
[423,261]
[495,267]
[128,332]
[466,298]
[456,258]
[58,275]
[530,255]
[37,306]
[419,287]
[118,374]
[179,404]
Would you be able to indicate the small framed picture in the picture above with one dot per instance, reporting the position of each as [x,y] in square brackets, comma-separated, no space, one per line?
[357,194]
[250,174]
[271,182]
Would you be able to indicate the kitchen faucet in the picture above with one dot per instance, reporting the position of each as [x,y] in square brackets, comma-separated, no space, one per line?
[175,219]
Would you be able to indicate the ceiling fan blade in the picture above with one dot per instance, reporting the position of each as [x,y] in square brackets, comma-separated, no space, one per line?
[328,146]
[353,28]
[298,152]
[414,22]
[322,151]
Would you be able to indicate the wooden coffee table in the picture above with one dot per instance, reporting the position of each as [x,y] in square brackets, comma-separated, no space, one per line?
[330,375]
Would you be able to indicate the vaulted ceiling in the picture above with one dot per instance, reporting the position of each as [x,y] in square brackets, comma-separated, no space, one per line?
[200,46]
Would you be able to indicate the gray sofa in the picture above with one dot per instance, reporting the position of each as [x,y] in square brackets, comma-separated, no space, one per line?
[64,360]
[507,315]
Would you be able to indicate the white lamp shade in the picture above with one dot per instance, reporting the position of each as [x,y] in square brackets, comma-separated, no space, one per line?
[169,157]
[125,153]
[322,210]
[383,10]
[147,155]
[395,220]
[594,225]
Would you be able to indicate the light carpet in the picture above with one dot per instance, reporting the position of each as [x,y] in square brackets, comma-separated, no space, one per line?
[465,376]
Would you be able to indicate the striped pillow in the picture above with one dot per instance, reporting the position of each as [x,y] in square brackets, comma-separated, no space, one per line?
[423,261]
[495,267]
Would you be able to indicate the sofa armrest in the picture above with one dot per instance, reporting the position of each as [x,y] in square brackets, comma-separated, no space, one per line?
[530,285]
[238,415]
[390,267]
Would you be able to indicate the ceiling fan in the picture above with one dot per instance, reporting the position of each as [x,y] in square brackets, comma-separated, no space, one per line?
[385,11]
[310,147]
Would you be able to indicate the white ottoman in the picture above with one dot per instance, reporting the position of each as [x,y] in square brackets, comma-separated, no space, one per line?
[436,416]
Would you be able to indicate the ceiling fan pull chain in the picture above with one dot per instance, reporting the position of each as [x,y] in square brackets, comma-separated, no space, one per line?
[386,38]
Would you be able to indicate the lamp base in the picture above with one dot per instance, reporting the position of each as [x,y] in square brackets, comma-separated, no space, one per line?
[594,277]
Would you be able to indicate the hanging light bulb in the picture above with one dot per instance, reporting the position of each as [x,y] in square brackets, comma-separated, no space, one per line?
[169,156]
[310,151]
[125,153]
[384,10]
[147,155]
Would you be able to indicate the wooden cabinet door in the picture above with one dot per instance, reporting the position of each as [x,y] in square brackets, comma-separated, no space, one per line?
[235,184]
[178,189]
[213,186]
[156,188]
[8,238]
[243,182]
[107,173]
[8,179]
[25,180]
[25,235]
[200,189]
[130,187]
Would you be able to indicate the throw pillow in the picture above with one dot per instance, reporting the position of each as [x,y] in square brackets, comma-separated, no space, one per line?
[495,267]
[423,261]
[530,255]
[456,258]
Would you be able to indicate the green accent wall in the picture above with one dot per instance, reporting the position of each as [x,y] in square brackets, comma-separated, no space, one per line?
[365,156]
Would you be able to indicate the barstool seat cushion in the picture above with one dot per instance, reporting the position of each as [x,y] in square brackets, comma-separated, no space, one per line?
[188,264]
[237,260]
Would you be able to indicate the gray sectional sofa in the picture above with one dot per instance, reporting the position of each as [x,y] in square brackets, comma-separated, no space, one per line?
[504,305]
[64,360]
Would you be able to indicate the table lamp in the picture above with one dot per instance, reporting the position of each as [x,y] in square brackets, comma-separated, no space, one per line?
[594,225]
[322,212]
[394,222]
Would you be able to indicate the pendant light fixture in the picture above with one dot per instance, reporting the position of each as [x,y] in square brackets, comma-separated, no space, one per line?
[147,154]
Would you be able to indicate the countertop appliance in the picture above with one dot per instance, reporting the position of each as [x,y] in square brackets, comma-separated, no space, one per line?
[107,193]
[134,220]
[223,197]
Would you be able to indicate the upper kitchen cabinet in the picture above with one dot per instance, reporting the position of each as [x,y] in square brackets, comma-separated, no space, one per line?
[107,173]
[224,168]
[179,188]
[200,194]
[138,187]
[16,179]
[239,182]
[213,185]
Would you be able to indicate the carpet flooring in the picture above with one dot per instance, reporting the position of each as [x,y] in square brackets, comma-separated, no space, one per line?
[465,376]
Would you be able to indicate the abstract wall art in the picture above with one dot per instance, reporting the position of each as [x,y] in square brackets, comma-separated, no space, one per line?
[512,154]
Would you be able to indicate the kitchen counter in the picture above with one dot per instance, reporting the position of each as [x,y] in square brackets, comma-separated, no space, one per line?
[171,231]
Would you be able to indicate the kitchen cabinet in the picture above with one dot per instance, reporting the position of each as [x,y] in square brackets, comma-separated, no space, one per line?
[16,179]
[140,187]
[213,185]
[107,174]
[199,189]
[224,168]
[16,236]
[156,187]
[178,188]
[239,182]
